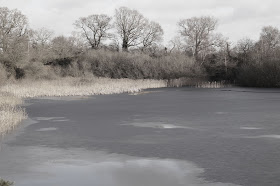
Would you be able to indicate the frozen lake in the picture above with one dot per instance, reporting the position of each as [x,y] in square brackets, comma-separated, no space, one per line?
[162,137]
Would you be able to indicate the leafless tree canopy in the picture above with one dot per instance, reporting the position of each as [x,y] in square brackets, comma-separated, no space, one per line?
[270,38]
[130,25]
[94,28]
[64,47]
[152,34]
[13,28]
[41,37]
[245,45]
[198,32]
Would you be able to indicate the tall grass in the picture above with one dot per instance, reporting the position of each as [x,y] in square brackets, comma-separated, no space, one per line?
[70,86]
[10,113]
[214,84]
[197,83]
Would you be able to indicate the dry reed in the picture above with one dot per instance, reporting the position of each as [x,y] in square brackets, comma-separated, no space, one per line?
[10,113]
[79,87]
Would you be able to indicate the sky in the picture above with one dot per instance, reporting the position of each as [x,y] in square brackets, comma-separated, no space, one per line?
[237,19]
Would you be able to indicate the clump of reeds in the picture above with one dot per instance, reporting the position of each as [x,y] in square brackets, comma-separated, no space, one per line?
[181,82]
[196,82]
[209,84]
[10,113]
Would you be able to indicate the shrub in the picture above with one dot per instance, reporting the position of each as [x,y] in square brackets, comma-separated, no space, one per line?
[5,183]
[36,70]
[8,66]
[3,74]
[138,66]
[264,74]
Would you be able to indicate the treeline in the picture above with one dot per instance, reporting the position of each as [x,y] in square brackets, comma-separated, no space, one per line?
[128,45]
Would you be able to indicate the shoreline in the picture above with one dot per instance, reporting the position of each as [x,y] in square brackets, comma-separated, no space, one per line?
[12,95]
[18,91]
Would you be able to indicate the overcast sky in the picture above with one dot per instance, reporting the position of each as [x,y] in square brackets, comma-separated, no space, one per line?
[237,19]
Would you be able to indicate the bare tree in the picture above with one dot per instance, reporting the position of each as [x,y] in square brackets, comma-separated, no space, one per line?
[177,45]
[39,44]
[65,47]
[41,37]
[153,33]
[130,25]
[245,45]
[270,36]
[94,28]
[269,41]
[115,43]
[198,32]
[13,29]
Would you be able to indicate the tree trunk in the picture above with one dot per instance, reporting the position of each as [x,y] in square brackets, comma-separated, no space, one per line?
[196,57]
[125,45]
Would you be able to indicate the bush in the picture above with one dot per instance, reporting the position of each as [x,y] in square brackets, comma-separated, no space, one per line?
[3,74]
[12,71]
[264,74]
[36,70]
[5,183]
[138,66]
[218,70]
[8,66]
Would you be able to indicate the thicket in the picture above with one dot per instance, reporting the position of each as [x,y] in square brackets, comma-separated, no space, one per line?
[110,64]
[139,65]
[264,74]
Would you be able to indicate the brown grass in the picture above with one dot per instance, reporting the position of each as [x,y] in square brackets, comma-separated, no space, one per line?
[78,87]
[10,113]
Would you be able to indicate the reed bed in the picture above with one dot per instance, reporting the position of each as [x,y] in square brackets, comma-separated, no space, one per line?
[79,87]
[197,83]
[209,84]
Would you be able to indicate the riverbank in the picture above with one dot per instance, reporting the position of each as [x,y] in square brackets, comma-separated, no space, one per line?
[12,94]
